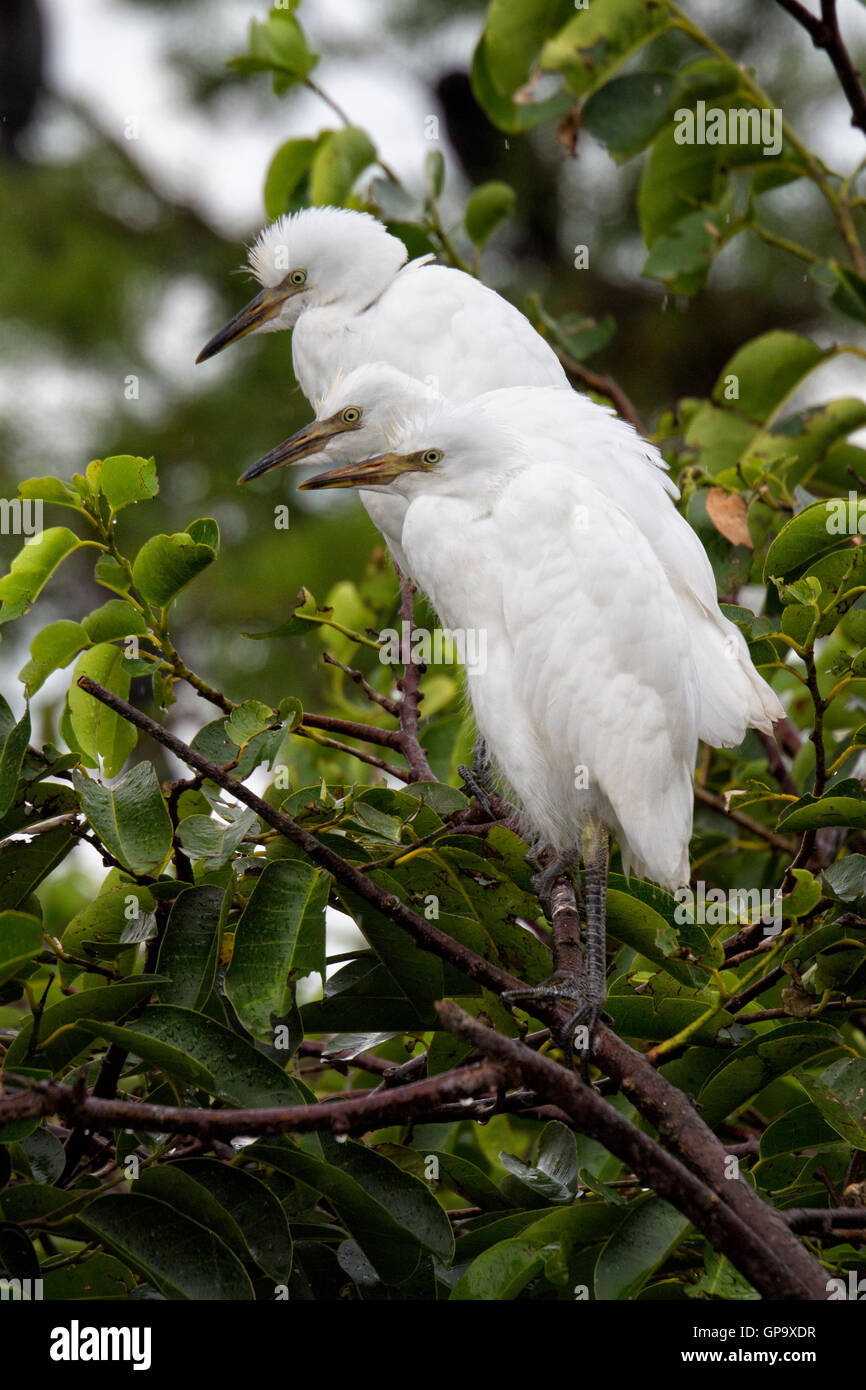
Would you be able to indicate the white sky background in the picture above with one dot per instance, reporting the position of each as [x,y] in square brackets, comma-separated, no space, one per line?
[116,59]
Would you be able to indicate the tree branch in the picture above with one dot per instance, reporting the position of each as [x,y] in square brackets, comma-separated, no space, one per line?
[408,685]
[371,1111]
[677,1121]
[744,1244]
[825,34]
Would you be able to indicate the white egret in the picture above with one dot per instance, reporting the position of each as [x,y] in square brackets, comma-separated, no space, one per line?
[359,413]
[607,655]
[338,278]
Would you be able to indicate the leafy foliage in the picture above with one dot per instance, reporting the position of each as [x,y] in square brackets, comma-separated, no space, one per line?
[198,975]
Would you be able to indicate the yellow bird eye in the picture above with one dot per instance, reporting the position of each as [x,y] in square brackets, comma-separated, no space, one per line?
[351,415]
[298,277]
[432,456]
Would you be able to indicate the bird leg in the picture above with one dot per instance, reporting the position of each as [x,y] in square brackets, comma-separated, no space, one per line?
[580,981]
[479,780]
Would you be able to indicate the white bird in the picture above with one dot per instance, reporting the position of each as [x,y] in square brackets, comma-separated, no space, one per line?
[339,279]
[548,524]
[361,412]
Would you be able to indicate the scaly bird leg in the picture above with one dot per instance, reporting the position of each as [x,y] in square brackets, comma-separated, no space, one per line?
[478,780]
[578,980]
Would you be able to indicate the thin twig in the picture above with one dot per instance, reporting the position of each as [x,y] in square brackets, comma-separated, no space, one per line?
[825,34]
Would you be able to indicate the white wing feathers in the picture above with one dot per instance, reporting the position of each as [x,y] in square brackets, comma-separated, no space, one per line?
[633,475]
[591,616]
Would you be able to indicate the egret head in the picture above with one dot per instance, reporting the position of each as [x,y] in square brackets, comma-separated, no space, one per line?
[451,448]
[309,259]
[353,420]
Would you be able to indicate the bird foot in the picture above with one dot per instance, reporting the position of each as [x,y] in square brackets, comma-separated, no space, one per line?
[562,985]
[473,785]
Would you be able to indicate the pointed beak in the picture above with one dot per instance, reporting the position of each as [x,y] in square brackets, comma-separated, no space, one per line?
[260,310]
[304,442]
[374,472]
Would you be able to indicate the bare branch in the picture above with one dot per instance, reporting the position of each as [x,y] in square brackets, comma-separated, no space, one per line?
[825,34]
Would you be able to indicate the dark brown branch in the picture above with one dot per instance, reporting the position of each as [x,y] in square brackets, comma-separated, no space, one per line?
[369,758]
[744,1244]
[355,1116]
[566,927]
[821,1221]
[369,690]
[409,687]
[826,35]
[754,827]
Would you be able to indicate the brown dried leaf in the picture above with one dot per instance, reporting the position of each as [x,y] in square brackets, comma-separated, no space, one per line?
[727,511]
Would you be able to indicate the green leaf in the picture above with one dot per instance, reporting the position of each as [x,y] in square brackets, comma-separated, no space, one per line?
[341,156]
[676,179]
[31,569]
[650,1231]
[278,44]
[849,296]
[807,536]
[280,935]
[627,112]
[244,1076]
[189,948]
[755,1064]
[45,1155]
[388,1212]
[553,1177]
[840,1095]
[50,650]
[507,114]
[247,720]
[50,490]
[111,575]
[255,1209]
[114,921]
[166,564]
[14,739]
[286,172]
[514,31]
[97,1277]
[155,1053]
[99,732]
[24,864]
[205,531]
[768,368]
[500,1273]
[60,1041]
[130,817]
[488,206]
[115,619]
[177,1254]
[434,173]
[827,810]
[847,877]
[124,479]
[598,40]
[214,843]
[20,941]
